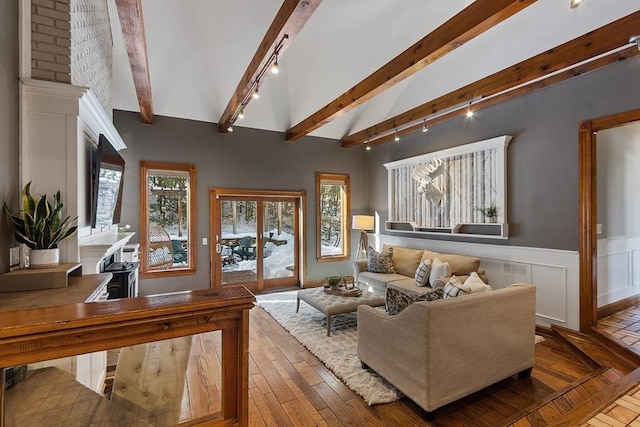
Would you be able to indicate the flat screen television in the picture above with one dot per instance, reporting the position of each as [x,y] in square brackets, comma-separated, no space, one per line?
[106,188]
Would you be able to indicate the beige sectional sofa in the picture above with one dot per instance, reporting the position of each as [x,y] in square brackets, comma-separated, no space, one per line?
[405,263]
[439,351]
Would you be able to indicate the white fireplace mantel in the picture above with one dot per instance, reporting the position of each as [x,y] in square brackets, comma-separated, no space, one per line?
[93,249]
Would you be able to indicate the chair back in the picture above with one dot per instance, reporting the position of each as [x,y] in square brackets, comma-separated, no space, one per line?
[150,378]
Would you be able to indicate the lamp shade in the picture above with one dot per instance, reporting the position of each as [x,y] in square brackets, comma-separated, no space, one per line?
[363,222]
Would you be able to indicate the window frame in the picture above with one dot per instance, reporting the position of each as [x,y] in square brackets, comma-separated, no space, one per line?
[346,214]
[145,168]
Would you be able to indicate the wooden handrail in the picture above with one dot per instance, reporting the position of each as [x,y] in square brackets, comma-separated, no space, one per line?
[39,334]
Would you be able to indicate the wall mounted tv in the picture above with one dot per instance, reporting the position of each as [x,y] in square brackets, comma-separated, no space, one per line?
[106,188]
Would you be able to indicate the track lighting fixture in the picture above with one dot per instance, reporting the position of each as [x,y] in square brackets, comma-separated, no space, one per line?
[397,137]
[635,39]
[366,145]
[424,125]
[230,128]
[271,64]
[576,3]
[469,111]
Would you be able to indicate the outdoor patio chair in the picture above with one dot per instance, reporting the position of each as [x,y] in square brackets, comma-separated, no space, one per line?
[245,249]
[179,252]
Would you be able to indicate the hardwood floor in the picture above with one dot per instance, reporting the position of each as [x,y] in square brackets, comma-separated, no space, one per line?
[288,386]
[624,327]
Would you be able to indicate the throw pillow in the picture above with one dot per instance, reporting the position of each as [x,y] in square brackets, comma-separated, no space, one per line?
[397,300]
[405,260]
[439,283]
[454,288]
[475,283]
[380,262]
[422,273]
[439,269]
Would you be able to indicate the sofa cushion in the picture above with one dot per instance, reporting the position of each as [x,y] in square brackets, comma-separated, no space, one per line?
[397,299]
[454,288]
[439,269]
[380,262]
[475,283]
[378,281]
[405,260]
[422,273]
[460,264]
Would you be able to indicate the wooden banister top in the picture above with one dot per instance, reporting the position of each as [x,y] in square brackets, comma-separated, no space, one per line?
[103,313]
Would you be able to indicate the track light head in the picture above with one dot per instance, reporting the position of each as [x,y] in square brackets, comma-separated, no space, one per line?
[397,137]
[256,94]
[635,39]
[575,3]
[274,67]
[424,126]
[241,114]
[230,128]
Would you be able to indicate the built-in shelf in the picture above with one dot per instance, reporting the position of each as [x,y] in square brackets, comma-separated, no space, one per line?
[484,230]
[29,279]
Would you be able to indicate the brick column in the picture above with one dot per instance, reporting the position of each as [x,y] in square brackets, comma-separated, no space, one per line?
[51,40]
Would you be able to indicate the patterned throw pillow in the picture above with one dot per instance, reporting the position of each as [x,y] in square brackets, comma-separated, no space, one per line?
[397,300]
[439,270]
[380,262]
[422,273]
[454,288]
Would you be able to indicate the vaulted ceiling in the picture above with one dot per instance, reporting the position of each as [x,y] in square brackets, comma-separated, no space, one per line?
[355,70]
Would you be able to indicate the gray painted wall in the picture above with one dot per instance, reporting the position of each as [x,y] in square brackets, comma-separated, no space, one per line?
[245,159]
[9,120]
[543,155]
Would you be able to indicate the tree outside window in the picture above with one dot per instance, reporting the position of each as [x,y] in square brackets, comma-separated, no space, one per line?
[332,236]
[167,218]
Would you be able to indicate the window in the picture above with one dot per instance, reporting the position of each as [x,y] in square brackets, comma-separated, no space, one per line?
[332,213]
[167,219]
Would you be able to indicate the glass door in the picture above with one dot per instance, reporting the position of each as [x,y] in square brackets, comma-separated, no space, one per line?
[256,241]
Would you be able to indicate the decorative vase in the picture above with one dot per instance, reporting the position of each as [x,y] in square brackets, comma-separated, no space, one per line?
[491,219]
[44,258]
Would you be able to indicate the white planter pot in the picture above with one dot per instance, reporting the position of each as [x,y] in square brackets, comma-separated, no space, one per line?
[492,219]
[44,258]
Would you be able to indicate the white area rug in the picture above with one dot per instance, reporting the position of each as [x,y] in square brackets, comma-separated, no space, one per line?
[338,352]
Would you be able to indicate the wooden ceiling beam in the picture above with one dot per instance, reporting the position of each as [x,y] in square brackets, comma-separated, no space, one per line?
[598,42]
[475,19]
[130,14]
[576,71]
[289,20]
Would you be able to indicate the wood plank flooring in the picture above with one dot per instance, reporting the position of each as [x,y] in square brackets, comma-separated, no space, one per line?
[288,386]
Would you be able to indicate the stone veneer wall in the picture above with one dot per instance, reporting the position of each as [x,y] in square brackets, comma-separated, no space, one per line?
[71,43]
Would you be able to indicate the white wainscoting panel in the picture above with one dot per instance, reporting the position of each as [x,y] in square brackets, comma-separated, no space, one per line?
[555,273]
[618,269]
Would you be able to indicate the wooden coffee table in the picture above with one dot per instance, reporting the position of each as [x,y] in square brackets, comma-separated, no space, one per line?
[331,304]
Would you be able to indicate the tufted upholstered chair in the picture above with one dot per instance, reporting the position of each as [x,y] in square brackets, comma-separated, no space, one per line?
[150,378]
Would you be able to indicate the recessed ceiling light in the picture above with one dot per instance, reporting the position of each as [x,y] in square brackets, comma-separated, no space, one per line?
[576,3]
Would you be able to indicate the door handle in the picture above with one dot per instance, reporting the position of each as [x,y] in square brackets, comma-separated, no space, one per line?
[218,248]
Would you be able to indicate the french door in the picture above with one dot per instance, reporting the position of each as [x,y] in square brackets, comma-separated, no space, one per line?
[256,238]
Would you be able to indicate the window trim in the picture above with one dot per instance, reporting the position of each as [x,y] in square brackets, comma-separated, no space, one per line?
[145,167]
[346,214]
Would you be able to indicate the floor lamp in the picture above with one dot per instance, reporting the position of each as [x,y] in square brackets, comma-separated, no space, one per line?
[362,223]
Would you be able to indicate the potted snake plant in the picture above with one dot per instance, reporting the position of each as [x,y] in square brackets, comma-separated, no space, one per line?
[41,227]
